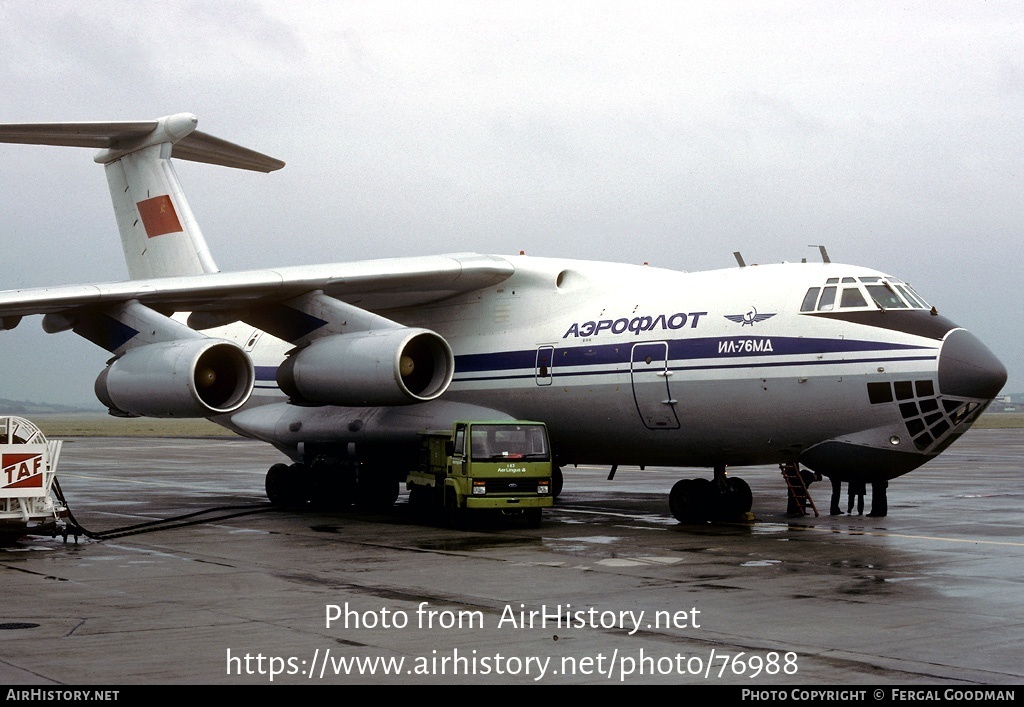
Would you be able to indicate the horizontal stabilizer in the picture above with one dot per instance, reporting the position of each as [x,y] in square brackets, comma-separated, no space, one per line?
[203,147]
[98,135]
[120,136]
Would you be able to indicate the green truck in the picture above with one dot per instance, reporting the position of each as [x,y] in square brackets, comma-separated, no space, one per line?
[501,466]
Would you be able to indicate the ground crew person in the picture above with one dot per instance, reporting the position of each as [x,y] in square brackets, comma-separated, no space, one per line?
[837,492]
[856,489]
[879,503]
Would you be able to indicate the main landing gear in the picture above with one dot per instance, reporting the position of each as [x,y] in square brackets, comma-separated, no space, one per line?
[702,500]
[332,486]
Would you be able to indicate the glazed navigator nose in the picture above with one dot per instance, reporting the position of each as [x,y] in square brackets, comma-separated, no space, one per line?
[967,369]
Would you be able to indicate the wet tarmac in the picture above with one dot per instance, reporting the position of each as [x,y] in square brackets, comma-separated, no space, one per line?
[609,589]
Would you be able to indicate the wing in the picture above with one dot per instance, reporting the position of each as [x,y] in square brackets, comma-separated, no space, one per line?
[371,285]
[324,311]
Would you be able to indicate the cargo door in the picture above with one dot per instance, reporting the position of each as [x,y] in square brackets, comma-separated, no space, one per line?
[651,389]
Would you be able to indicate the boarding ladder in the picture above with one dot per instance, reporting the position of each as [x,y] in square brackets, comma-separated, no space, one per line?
[797,488]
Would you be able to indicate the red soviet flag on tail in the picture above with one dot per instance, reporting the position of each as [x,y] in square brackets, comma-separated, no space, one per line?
[158,216]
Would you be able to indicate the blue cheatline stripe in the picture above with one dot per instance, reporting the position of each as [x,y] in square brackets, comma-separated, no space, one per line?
[612,359]
[678,350]
[266,373]
[266,378]
[781,346]
[558,373]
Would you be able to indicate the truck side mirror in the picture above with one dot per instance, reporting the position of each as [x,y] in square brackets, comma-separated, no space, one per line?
[449,448]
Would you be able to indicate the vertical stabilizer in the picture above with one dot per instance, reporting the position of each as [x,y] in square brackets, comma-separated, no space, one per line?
[159,233]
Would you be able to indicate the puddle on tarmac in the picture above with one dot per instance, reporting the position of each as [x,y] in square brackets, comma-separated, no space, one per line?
[470,544]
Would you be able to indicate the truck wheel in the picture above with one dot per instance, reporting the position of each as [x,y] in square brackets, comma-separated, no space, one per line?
[419,501]
[454,517]
[532,517]
[416,497]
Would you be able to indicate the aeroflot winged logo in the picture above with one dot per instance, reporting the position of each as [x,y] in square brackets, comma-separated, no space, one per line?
[21,471]
[751,317]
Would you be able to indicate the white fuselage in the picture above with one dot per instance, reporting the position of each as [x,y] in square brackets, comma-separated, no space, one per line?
[640,365]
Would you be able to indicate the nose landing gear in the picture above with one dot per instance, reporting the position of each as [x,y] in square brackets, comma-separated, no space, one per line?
[703,500]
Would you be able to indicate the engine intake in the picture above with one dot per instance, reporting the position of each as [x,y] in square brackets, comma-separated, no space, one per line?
[388,367]
[187,378]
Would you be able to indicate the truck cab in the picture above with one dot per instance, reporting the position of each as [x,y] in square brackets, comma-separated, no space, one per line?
[502,466]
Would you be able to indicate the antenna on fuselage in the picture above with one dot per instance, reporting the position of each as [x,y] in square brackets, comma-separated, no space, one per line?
[739,258]
[824,253]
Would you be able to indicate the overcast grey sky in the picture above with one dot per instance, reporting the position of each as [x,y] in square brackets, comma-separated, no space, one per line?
[673,133]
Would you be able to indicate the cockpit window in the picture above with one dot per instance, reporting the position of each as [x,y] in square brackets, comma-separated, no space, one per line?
[868,292]
[885,296]
[810,299]
[828,299]
[852,297]
[907,296]
[912,297]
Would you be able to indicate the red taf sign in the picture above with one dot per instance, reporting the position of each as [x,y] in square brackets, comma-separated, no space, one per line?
[21,471]
[158,216]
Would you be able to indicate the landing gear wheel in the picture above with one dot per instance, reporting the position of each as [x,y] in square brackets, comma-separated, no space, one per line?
[738,498]
[556,481]
[333,486]
[689,500]
[376,490]
[679,500]
[279,485]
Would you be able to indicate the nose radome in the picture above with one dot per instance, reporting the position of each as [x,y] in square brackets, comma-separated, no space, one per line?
[968,369]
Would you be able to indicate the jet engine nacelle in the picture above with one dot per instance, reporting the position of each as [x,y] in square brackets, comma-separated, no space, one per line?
[387,367]
[186,378]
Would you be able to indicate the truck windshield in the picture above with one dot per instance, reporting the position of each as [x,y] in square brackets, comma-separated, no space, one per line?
[493,442]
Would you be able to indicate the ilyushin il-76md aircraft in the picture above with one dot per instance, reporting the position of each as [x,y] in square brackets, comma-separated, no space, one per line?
[843,369]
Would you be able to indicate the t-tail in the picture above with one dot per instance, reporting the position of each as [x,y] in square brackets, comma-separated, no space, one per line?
[159,233]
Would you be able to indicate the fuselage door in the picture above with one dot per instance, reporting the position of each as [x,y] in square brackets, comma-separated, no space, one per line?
[545,359]
[651,389]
